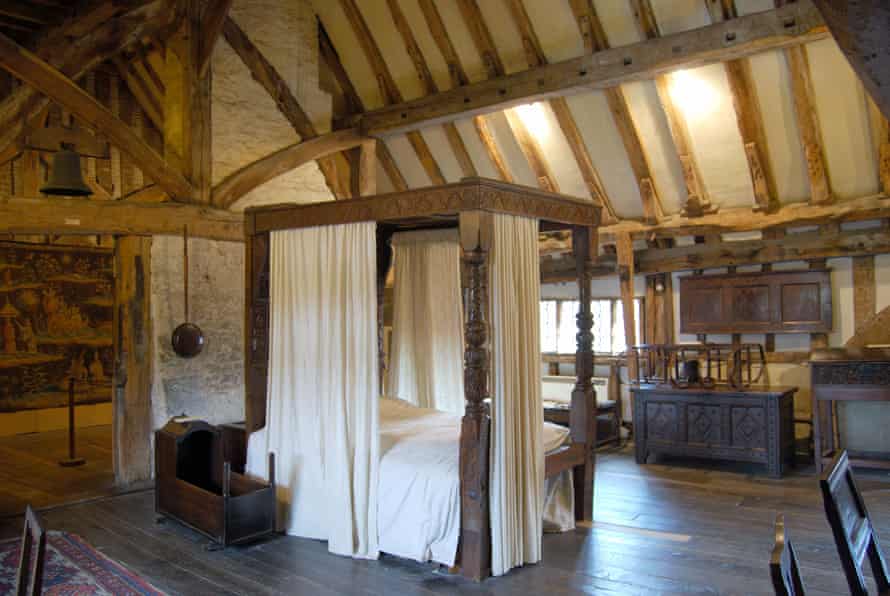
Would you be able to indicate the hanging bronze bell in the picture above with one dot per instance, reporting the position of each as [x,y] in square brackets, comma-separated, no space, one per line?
[65,177]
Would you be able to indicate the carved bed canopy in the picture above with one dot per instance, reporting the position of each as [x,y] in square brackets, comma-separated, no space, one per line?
[467,205]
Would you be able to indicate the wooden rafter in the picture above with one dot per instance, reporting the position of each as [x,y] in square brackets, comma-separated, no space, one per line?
[141,89]
[388,88]
[494,66]
[808,124]
[213,19]
[748,219]
[62,90]
[459,78]
[564,117]
[262,71]
[697,202]
[595,41]
[748,116]
[332,59]
[75,47]
[429,86]
[77,216]
[790,25]
[241,182]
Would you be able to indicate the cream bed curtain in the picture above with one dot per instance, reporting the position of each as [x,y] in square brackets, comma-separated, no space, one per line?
[517,448]
[322,410]
[426,358]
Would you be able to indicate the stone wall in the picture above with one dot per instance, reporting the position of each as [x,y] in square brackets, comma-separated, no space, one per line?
[211,385]
[247,124]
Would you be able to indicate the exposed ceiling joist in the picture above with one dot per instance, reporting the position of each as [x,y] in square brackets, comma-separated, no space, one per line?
[332,59]
[75,47]
[790,25]
[459,78]
[494,66]
[79,216]
[808,124]
[697,202]
[388,88]
[746,219]
[62,90]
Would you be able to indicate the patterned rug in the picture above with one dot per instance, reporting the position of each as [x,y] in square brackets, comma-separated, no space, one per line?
[73,567]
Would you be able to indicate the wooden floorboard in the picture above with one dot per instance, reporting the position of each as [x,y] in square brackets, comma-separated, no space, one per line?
[671,528]
[31,473]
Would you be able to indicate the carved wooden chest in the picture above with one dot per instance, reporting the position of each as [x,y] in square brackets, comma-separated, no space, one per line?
[752,425]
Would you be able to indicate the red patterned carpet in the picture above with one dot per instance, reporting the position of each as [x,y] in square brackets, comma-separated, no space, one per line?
[74,567]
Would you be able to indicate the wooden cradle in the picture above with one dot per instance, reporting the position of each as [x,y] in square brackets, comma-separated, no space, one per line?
[195,483]
[467,205]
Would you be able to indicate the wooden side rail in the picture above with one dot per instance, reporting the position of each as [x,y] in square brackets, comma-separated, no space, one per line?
[564,458]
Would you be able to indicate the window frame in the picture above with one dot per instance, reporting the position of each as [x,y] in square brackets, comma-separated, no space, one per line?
[615,304]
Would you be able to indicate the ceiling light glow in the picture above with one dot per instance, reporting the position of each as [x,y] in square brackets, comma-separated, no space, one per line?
[692,94]
[535,120]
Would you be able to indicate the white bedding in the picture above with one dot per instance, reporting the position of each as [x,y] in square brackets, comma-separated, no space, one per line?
[418,503]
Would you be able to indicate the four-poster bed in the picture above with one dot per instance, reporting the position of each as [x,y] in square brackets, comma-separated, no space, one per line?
[468,205]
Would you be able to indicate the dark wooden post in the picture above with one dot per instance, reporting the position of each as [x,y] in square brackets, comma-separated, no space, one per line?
[475,536]
[384,261]
[582,420]
[256,308]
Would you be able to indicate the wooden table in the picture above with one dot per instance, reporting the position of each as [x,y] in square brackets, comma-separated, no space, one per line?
[846,375]
[751,425]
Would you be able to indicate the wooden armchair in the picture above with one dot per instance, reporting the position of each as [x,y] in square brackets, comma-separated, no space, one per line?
[854,534]
[783,567]
[30,577]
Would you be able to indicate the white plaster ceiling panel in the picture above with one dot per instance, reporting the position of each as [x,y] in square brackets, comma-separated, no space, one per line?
[442,152]
[305,184]
[478,153]
[392,47]
[703,97]
[462,40]
[429,49]
[384,184]
[769,72]
[505,34]
[674,16]
[594,120]
[556,28]
[350,51]
[556,151]
[617,19]
[407,161]
[655,136]
[517,165]
[843,118]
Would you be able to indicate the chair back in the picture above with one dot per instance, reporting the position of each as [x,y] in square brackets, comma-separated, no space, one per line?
[854,534]
[783,567]
[29,581]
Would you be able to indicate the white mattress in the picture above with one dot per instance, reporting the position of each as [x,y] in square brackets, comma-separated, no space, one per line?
[418,505]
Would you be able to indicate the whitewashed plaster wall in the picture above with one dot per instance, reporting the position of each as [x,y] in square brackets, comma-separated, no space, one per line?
[209,386]
[247,124]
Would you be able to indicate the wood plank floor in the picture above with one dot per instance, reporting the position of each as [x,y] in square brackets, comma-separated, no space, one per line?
[660,529]
[31,472]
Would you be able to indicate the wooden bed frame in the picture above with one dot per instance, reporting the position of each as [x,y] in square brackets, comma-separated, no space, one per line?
[468,205]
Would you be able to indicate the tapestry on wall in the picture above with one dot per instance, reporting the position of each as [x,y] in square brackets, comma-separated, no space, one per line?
[56,305]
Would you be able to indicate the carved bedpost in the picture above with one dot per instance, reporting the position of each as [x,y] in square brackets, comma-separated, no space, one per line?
[475,531]
[256,308]
[582,420]
[384,261]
